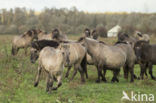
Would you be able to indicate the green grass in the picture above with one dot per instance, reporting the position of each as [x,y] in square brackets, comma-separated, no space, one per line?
[17,76]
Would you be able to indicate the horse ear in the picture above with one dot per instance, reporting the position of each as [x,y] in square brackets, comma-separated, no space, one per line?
[36,45]
[29,33]
[56,31]
[139,34]
[127,35]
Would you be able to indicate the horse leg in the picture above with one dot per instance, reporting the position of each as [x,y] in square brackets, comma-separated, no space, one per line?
[115,73]
[86,72]
[118,71]
[99,74]
[82,74]
[126,70]
[50,80]
[132,73]
[104,74]
[151,72]
[59,82]
[142,67]
[68,70]
[146,70]
[49,83]
[38,76]
[75,72]
[25,51]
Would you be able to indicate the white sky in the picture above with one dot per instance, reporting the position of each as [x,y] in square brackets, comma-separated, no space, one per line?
[85,5]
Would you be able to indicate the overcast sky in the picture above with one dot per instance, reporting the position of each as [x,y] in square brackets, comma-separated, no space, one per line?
[85,5]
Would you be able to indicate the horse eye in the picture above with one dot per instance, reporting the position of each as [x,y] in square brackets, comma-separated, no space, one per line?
[63,53]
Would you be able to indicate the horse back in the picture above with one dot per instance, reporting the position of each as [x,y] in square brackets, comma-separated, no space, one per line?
[77,52]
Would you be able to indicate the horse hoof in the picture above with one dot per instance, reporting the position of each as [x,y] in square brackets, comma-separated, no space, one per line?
[117,80]
[135,77]
[66,76]
[104,80]
[35,84]
[54,88]
[82,81]
[59,84]
[97,81]
[153,78]
[138,78]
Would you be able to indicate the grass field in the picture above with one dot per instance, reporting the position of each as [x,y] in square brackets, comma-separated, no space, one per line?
[17,76]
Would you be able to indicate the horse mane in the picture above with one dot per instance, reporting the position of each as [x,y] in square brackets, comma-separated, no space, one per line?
[121,42]
[102,42]
[141,42]
[80,39]
[43,43]
[63,41]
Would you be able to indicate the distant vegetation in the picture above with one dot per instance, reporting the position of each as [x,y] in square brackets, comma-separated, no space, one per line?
[72,21]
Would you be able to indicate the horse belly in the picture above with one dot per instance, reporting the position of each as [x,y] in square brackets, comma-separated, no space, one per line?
[115,61]
[89,59]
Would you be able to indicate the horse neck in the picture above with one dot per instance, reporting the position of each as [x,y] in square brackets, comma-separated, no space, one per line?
[92,47]
[27,40]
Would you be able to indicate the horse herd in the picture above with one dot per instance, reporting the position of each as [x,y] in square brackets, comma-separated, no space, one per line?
[54,51]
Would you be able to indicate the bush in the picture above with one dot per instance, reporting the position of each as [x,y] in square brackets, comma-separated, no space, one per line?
[101,30]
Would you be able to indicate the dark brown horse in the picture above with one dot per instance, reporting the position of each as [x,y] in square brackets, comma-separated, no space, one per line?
[146,56]
[124,37]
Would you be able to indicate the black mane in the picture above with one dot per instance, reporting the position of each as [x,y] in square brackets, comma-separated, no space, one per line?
[80,39]
[43,43]
[102,42]
[121,42]
[141,41]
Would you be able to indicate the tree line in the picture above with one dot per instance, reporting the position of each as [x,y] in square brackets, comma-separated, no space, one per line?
[72,21]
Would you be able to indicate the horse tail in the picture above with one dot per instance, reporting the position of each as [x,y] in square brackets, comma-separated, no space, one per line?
[84,65]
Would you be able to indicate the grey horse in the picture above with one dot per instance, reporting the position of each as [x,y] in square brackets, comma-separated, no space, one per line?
[23,41]
[104,57]
[52,61]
